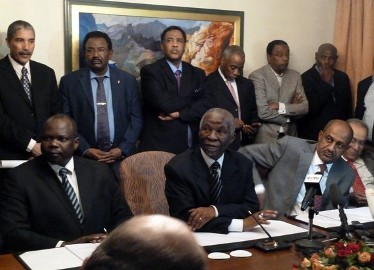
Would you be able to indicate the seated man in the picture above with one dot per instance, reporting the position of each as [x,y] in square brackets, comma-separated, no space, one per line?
[361,161]
[211,187]
[149,242]
[57,199]
[290,159]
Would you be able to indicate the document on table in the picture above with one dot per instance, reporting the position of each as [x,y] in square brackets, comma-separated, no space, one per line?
[331,219]
[275,228]
[58,258]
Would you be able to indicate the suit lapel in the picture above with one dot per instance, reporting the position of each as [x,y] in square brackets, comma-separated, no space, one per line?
[169,74]
[201,172]
[116,84]
[85,83]
[223,88]
[272,79]
[229,177]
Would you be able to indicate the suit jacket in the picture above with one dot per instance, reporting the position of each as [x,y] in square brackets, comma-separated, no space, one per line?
[326,102]
[187,187]
[21,121]
[36,212]
[267,89]
[221,97]
[161,96]
[288,160]
[77,101]
[362,89]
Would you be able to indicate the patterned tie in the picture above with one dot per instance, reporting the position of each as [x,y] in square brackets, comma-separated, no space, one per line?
[178,76]
[70,192]
[215,183]
[358,185]
[233,93]
[317,203]
[103,133]
[26,83]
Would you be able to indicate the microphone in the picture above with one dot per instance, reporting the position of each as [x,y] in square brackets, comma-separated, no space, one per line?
[312,189]
[338,202]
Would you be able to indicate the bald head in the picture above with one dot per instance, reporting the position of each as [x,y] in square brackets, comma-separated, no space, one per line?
[149,242]
[326,56]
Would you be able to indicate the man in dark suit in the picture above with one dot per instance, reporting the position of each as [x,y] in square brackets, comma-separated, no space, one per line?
[365,105]
[290,159]
[229,90]
[211,187]
[23,112]
[36,211]
[328,91]
[172,92]
[79,96]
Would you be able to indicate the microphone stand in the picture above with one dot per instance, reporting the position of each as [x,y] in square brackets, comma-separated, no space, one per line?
[344,228]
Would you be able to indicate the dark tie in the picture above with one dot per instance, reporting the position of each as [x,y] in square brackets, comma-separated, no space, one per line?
[215,183]
[317,203]
[26,82]
[178,76]
[358,185]
[103,133]
[70,192]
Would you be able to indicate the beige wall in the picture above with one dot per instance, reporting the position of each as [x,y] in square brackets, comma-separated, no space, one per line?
[304,24]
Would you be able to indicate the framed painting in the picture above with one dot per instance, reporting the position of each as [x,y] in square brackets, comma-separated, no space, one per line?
[135,31]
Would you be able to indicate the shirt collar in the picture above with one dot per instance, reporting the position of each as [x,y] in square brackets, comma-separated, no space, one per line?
[69,166]
[93,75]
[223,76]
[18,67]
[173,68]
[317,161]
[209,161]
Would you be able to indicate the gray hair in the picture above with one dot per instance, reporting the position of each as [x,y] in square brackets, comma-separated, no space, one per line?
[17,25]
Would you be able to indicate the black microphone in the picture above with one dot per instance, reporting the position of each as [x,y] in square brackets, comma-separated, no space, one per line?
[312,189]
[338,201]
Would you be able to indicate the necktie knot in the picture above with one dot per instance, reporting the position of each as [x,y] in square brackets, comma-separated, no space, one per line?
[63,172]
[322,168]
[178,73]
[24,71]
[215,167]
[99,79]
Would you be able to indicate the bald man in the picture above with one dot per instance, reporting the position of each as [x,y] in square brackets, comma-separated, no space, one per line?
[328,92]
[290,159]
[149,242]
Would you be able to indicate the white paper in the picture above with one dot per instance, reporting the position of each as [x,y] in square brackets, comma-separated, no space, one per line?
[83,250]
[10,163]
[275,228]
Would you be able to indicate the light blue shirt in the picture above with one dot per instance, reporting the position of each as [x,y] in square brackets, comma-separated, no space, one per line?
[109,100]
[173,68]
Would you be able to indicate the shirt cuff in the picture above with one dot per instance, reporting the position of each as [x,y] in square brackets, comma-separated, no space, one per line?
[59,243]
[282,108]
[215,210]
[31,145]
[236,225]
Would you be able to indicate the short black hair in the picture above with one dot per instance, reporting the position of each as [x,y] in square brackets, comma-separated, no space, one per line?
[272,44]
[97,34]
[170,28]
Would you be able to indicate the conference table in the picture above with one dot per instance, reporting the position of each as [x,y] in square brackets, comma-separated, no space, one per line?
[280,260]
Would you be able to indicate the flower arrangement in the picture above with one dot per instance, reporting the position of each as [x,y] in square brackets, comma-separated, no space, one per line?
[342,255]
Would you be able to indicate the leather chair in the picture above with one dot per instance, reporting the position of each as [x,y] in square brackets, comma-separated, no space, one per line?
[142,181]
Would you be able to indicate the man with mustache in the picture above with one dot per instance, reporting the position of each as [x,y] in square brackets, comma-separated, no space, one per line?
[28,95]
[172,92]
[104,102]
[290,159]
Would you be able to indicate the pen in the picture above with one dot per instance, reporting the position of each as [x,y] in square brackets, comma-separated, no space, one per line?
[105,231]
[262,227]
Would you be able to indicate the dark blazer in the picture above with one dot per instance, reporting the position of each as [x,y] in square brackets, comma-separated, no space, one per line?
[220,96]
[322,107]
[362,89]
[187,187]
[288,160]
[36,213]
[77,101]
[161,96]
[21,121]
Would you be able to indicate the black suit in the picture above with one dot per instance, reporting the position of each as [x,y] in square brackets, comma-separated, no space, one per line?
[21,121]
[35,211]
[161,96]
[220,96]
[325,102]
[362,89]
[187,187]
[77,101]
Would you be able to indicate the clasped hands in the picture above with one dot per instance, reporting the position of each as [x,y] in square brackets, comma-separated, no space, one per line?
[202,215]
[106,157]
[92,238]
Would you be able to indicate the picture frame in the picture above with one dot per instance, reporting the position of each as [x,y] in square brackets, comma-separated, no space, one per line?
[135,32]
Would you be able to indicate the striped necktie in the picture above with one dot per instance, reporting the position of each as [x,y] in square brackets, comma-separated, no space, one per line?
[70,192]
[26,82]
[103,131]
[215,184]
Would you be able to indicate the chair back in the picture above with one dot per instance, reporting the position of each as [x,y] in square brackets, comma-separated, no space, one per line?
[142,181]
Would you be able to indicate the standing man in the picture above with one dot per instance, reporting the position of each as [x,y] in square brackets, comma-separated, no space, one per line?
[290,159]
[328,91]
[229,90]
[211,187]
[361,161]
[104,102]
[280,95]
[28,95]
[172,92]
[57,199]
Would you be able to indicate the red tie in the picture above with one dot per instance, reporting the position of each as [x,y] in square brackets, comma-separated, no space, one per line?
[358,186]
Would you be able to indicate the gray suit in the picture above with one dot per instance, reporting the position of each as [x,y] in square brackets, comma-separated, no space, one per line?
[267,89]
[289,159]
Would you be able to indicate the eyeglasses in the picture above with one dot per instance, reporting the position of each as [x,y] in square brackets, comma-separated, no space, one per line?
[100,51]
